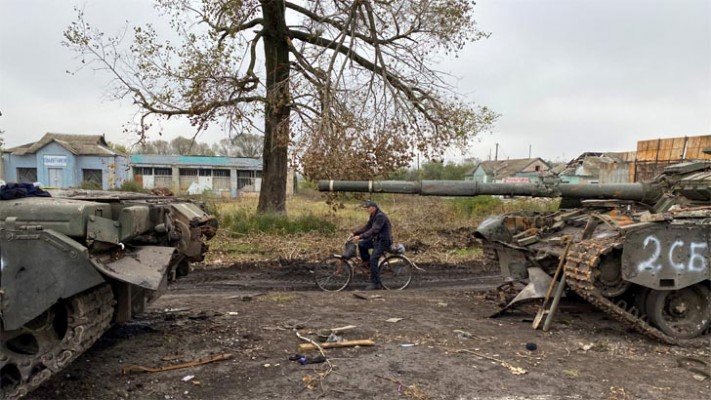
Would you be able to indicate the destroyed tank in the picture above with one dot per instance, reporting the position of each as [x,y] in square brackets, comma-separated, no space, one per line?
[638,251]
[77,262]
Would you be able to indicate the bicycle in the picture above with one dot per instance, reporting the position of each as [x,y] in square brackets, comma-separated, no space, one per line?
[336,272]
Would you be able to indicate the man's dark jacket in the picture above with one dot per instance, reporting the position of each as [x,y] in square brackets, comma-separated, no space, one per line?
[378,228]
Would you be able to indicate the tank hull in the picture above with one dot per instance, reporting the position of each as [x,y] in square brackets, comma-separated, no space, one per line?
[74,264]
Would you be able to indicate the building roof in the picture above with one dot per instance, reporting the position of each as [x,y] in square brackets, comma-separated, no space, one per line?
[591,162]
[504,168]
[80,145]
[157,160]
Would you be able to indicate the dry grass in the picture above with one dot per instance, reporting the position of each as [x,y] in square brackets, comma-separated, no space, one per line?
[436,229]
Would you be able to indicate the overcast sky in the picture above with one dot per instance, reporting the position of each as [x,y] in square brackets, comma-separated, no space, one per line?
[566,76]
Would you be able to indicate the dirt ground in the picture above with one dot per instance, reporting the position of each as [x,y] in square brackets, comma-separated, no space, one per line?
[250,312]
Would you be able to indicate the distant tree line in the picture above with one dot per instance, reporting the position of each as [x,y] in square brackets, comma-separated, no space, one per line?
[245,145]
[434,170]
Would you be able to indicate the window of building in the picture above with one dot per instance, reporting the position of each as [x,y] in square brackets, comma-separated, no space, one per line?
[142,171]
[221,179]
[92,176]
[245,178]
[27,175]
[188,172]
[163,171]
[205,172]
[188,176]
[538,168]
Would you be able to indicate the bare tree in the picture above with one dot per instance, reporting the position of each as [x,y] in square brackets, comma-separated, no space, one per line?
[177,146]
[349,85]
[244,145]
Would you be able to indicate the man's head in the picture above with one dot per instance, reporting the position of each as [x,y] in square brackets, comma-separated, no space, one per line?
[371,206]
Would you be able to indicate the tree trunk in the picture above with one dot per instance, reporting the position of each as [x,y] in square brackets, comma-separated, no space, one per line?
[272,197]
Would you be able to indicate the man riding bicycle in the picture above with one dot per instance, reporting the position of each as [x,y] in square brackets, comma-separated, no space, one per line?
[376,235]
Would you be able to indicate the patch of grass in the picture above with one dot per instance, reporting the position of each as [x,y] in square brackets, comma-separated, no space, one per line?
[478,206]
[280,297]
[241,221]
[468,252]
[131,186]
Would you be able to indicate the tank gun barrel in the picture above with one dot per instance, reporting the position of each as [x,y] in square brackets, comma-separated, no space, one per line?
[642,192]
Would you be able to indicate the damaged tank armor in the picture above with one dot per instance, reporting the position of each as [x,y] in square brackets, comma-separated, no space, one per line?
[640,251]
[73,264]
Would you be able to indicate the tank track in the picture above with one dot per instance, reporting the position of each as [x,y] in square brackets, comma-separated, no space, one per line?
[89,315]
[491,257]
[580,267]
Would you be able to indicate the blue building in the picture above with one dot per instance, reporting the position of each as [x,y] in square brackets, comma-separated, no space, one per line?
[65,161]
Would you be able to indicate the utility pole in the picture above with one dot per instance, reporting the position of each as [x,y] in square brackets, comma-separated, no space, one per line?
[529,151]
[496,155]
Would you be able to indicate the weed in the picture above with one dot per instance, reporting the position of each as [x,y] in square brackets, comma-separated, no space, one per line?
[479,206]
[240,221]
[131,186]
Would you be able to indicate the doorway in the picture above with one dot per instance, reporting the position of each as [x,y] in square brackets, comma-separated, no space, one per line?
[55,177]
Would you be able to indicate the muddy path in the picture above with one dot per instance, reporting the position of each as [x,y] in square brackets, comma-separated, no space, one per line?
[442,346]
[296,275]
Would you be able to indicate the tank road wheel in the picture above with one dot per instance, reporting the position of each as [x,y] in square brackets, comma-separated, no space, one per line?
[22,347]
[31,354]
[608,277]
[683,313]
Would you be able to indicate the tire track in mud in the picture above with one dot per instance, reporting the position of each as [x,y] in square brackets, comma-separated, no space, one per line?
[296,276]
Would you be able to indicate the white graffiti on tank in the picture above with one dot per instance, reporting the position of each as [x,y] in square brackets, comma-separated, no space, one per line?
[697,260]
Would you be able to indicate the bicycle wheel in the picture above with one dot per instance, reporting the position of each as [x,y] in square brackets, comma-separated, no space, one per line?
[333,274]
[396,272]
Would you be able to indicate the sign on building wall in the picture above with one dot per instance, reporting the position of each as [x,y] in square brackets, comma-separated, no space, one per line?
[55,161]
[517,179]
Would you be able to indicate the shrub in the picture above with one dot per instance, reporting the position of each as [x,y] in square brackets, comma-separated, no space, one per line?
[242,222]
[478,206]
[87,185]
[131,186]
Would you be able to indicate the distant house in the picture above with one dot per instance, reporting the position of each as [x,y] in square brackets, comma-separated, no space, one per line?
[64,161]
[595,167]
[521,170]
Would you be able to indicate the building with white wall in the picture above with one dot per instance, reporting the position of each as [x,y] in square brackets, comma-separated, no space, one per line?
[216,175]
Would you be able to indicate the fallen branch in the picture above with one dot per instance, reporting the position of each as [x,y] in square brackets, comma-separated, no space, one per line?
[514,370]
[205,360]
[343,328]
[323,375]
[329,345]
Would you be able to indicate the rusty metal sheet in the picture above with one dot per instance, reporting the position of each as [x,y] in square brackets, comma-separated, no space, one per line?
[143,266]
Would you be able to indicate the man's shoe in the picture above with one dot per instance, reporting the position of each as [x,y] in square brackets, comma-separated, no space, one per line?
[374,286]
